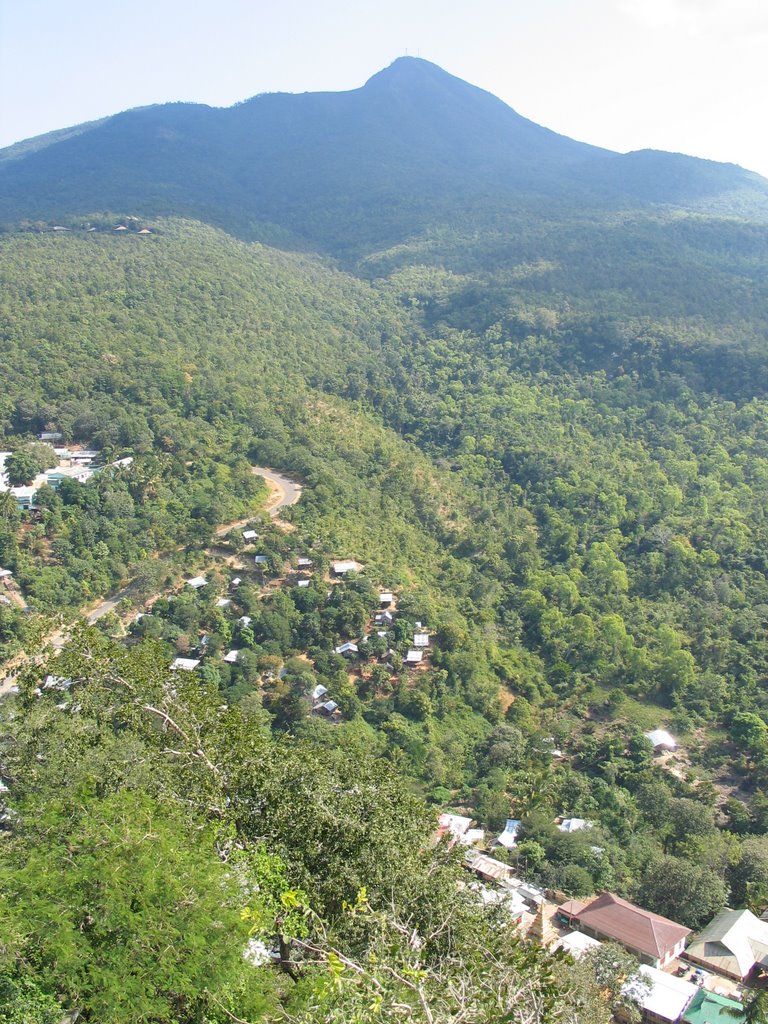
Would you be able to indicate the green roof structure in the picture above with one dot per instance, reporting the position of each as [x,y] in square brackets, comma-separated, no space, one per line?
[708,1008]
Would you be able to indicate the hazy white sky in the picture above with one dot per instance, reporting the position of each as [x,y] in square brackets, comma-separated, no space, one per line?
[684,75]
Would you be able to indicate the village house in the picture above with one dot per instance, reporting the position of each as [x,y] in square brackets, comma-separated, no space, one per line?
[197,582]
[487,868]
[663,999]
[319,692]
[574,825]
[348,650]
[532,894]
[341,568]
[386,598]
[413,657]
[454,825]
[734,944]
[330,709]
[184,664]
[509,899]
[421,639]
[83,456]
[653,939]
[473,837]
[508,837]
[62,683]
[231,657]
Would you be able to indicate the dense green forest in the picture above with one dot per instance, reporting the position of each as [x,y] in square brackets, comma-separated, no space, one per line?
[565,485]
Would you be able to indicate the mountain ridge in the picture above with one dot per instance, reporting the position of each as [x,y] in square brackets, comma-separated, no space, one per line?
[354,170]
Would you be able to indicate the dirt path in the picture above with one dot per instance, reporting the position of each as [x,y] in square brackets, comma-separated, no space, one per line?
[282,493]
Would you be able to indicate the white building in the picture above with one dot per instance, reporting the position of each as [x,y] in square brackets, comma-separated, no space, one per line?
[508,837]
[665,998]
[574,824]
[184,664]
[576,944]
[346,565]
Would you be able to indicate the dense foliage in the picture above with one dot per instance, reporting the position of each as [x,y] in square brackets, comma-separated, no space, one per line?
[547,436]
[155,830]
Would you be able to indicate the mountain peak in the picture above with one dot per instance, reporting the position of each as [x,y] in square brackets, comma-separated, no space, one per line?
[410,141]
[411,68]
[417,73]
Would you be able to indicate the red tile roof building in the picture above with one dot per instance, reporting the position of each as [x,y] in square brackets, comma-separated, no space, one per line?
[653,939]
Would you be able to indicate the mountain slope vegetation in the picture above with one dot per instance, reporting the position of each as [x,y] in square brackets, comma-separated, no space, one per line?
[530,399]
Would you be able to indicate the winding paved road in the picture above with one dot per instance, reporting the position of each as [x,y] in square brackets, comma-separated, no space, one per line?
[290,491]
[282,492]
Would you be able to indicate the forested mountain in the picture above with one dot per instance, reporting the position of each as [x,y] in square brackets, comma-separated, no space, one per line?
[530,397]
[347,172]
